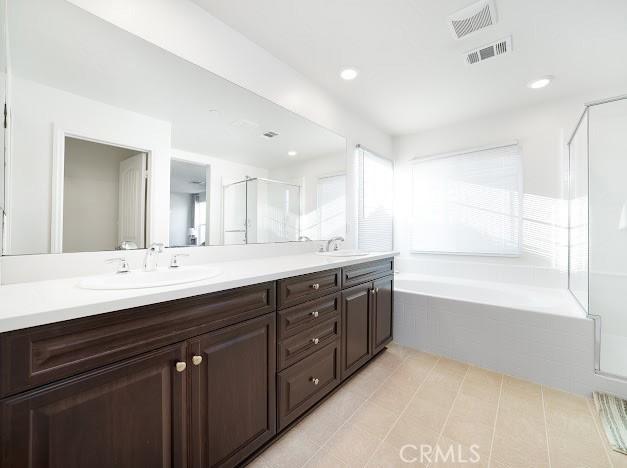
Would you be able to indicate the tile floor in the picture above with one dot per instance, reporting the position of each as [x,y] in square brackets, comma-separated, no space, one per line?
[452,413]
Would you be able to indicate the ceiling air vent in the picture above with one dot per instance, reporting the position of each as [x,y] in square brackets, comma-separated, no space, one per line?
[270,134]
[472,18]
[504,46]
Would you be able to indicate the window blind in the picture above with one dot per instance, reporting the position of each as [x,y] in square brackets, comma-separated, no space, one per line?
[468,203]
[376,198]
[332,206]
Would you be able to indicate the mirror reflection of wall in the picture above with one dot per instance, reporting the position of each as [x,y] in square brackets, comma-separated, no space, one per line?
[104,197]
[57,89]
[189,209]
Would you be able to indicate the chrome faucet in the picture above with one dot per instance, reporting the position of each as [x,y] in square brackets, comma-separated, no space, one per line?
[334,242]
[152,256]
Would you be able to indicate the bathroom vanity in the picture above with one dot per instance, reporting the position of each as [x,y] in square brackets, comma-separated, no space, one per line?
[200,381]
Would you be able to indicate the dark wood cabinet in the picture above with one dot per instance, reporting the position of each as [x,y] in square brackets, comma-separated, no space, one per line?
[128,415]
[356,328]
[233,392]
[382,313]
[202,381]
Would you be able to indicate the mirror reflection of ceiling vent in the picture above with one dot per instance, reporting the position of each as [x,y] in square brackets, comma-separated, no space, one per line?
[504,46]
[472,18]
[270,134]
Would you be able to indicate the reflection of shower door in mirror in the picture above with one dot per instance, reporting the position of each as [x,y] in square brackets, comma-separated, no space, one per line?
[132,201]
[273,209]
[234,213]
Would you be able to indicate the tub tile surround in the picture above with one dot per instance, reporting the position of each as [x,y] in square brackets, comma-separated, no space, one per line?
[442,404]
[549,349]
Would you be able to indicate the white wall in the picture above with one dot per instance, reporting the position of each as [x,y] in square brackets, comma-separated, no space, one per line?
[90,195]
[40,113]
[542,132]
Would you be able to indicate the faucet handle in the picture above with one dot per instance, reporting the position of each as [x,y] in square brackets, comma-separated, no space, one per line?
[123,268]
[174,263]
[157,247]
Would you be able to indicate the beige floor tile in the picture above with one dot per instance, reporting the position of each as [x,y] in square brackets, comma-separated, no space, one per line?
[563,402]
[452,366]
[366,381]
[325,460]
[520,388]
[292,451]
[389,456]
[409,431]
[393,396]
[352,445]
[388,359]
[342,404]
[320,425]
[258,463]
[427,412]
[374,419]
[451,453]
[483,384]
[400,351]
[410,374]
[474,409]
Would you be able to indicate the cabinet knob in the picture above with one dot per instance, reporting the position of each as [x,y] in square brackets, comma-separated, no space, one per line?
[315,341]
[180,366]
[315,381]
[376,290]
[372,291]
[196,360]
[316,286]
[315,314]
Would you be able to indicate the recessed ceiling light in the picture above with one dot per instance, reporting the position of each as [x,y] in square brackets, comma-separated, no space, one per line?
[292,153]
[540,82]
[349,74]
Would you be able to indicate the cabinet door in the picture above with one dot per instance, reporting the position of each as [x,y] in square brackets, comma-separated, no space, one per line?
[356,326]
[233,392]
[129,414]
[382,313]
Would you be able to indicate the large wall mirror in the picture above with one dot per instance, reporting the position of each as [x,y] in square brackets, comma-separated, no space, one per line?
[116,143]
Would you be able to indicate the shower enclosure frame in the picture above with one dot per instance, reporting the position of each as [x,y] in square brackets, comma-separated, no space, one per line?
[245,182]
[585,115]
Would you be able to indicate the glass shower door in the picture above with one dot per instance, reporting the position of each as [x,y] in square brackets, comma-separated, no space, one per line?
[608,230]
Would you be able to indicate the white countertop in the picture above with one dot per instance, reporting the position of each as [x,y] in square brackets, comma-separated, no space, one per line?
[24,305]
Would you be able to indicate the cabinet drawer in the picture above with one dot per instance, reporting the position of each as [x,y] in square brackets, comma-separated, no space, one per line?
[298,289]
[357,274]
[305,383]
[39,355]
[303,316]
[297,347]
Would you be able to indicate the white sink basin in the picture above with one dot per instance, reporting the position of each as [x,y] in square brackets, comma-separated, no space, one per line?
[136,279]
[343,253]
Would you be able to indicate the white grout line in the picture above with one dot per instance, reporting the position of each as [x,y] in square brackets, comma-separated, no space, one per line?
[496,417]
[606,447]
[546,425]
[450,411]
[404,409]
[349,417]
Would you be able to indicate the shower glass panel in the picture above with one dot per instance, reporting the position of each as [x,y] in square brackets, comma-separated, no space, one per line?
[259,211]
[578,209]
[598,227]
[608,230]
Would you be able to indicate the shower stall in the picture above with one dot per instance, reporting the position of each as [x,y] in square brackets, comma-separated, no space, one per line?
[597,258]
[257,210]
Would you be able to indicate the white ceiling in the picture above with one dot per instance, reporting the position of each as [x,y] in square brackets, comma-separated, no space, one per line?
[59,45]
[413,74]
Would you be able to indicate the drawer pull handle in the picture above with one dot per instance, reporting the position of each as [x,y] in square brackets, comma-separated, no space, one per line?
[315,341]
[315,314]
[196,360]
[180,366]
[316,286]
[315,381]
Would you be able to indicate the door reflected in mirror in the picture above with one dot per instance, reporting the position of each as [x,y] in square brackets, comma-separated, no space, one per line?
[104,198]
[189,209]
